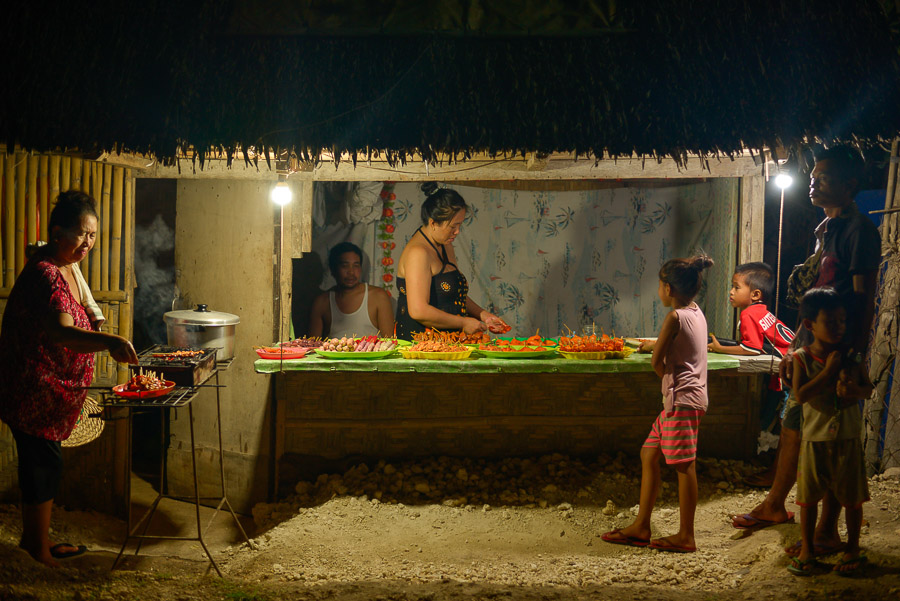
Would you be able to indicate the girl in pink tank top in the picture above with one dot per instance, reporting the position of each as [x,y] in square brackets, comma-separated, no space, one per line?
[679,358]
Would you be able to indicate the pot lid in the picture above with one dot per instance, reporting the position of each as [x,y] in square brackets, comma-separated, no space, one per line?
[201,316]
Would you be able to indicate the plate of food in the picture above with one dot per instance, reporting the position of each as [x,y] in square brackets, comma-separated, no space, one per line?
[144,385]
[436,351]
[278,353]
[367,347]
[354,354]
[305,342]
[597,355]
[515,352]
[636,342]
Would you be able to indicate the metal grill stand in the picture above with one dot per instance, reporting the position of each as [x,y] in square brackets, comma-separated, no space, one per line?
[181,396]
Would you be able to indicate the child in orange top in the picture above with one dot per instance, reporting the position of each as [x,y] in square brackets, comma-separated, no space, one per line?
[679,358]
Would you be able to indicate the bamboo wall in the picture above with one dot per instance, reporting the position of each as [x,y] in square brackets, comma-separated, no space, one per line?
[29,185]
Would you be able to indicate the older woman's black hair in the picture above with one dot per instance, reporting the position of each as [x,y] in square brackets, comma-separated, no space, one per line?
[441,204]
[685,275]
[70,207]
[334,256]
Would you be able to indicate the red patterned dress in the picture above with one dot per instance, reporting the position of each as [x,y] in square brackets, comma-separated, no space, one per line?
[41,383]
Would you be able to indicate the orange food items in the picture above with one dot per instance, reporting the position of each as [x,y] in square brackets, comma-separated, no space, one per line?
[590,344]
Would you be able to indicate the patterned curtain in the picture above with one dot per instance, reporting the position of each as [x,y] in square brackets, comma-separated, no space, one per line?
[577,259]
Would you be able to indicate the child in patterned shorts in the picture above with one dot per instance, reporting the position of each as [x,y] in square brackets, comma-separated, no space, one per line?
[829,389]
[679,358]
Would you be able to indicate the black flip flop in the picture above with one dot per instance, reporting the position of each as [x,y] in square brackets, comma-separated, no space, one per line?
[55,552]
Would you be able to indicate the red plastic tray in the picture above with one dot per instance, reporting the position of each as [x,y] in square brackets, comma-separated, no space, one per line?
[143,394]
[288,354]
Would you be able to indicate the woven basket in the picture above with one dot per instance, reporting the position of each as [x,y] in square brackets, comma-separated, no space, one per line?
[87,428]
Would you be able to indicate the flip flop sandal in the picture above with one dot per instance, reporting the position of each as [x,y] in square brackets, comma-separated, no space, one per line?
[860,561]
[818,550]
[661,544]
[798,567]
[57,553]
[624,539]
[750,522]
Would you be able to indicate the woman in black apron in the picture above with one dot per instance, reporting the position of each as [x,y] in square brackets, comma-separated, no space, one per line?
[433,292]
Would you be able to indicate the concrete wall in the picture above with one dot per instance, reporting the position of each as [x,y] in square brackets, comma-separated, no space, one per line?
[224,258]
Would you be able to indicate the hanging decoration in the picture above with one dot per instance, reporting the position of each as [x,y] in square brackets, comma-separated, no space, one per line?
[386,235]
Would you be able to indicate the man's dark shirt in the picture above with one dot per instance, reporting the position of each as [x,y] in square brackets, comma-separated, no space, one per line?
[852,247]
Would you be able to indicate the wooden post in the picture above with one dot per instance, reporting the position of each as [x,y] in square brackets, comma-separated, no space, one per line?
[105,226]
[750,221]
[115,241]
[9,216]
[126,308]
[750,225]
[21,178]
[52,195]
[43,197]
[31,203]
[884,345]
[96,191]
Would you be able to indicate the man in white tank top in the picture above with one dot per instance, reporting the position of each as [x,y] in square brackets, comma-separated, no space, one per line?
[351,307]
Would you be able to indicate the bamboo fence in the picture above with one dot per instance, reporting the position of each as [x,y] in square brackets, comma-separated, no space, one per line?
[28,190]
[882,418]
[29,186]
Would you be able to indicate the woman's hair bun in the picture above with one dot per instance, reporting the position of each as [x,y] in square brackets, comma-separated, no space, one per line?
[429,188]
[702,261]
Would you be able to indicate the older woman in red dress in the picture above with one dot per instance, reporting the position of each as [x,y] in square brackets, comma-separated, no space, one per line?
[46,359]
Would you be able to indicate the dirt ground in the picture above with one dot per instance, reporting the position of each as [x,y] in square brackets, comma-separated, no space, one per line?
[445,529]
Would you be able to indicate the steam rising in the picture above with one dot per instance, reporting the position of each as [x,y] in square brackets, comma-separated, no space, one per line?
[155,283]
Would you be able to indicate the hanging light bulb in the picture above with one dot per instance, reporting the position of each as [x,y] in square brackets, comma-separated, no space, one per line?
[281,194]
[783,180]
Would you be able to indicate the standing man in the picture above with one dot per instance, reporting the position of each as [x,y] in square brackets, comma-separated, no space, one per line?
[351,307]
[849,249]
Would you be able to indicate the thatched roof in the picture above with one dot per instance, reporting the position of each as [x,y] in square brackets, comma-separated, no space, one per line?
[660,78]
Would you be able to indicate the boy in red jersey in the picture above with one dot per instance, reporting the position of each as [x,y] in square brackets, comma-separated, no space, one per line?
[761,333]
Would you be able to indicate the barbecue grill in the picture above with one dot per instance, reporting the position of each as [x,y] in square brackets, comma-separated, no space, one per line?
[184,371]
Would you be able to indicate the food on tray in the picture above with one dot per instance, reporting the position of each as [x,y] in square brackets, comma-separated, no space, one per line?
[175,355]
[366,344]
[281,350]
[590,344]
[144,381]
[509,348]
[451,337]
[306,343]
[436,346]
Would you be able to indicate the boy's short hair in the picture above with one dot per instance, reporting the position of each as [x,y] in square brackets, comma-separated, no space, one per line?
[759,276]
[824,298]
[334,257]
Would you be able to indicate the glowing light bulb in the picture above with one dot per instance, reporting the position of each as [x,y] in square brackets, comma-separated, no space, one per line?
[783,180]
[281,194]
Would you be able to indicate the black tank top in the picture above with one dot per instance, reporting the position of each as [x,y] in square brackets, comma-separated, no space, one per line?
[448,293]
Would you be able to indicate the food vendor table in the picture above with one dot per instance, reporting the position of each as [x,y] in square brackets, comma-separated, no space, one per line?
[329,410]
[179,397]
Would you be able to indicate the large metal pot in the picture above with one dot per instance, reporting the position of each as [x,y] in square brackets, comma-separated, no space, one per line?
[202,328]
